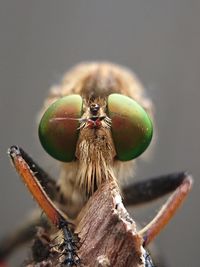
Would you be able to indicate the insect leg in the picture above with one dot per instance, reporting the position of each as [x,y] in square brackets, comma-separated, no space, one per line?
[167,211]
[151,189]
[44,179]
[55,215]
[30,180]
[27,230]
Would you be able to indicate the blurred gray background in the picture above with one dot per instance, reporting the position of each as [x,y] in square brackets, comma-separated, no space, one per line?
[159,40]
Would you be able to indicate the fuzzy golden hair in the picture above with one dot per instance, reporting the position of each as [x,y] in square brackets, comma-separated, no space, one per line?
[95,150]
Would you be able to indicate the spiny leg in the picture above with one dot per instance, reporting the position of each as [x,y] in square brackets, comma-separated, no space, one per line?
[68,246]
[180,183]
[56,216]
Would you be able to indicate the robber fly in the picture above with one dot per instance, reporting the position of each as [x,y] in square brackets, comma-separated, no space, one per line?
[96,123]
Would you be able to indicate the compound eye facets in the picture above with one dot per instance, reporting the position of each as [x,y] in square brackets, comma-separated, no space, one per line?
[58,128]
[131,126]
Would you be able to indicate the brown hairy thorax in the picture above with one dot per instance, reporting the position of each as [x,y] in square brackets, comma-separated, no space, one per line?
[95,152]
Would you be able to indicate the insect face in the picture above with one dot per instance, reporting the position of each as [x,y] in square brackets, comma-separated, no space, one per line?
[130,126]
[116,128]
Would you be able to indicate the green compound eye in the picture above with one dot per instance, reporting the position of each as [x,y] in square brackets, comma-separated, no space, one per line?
[58,128]
[131,126]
